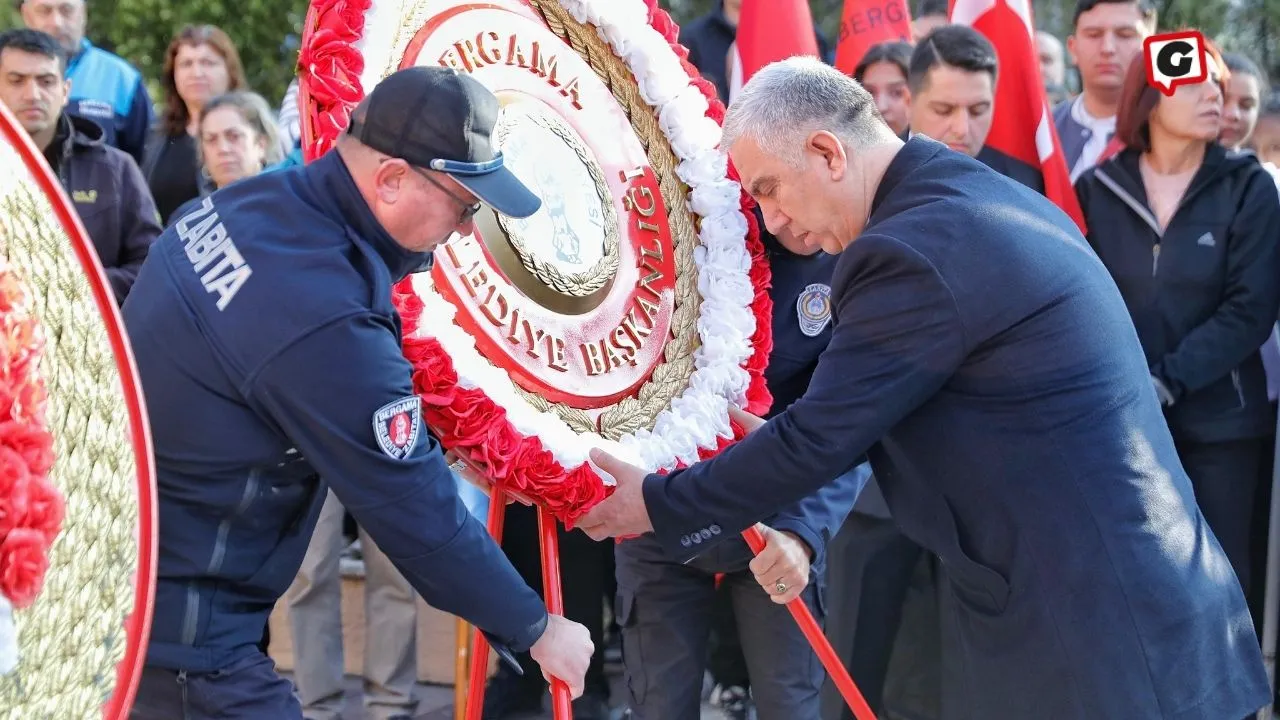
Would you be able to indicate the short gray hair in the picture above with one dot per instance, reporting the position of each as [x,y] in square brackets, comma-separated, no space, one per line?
[785,101]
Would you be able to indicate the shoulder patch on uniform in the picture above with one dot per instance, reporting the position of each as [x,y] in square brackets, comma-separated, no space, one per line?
[813,308]
[397,424]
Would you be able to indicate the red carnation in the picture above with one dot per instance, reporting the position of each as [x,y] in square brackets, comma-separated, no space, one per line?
[23,563]
[15,480]
[499,452]
[34,444]
[536,467]
[471,417]
[433,375]
[45,509]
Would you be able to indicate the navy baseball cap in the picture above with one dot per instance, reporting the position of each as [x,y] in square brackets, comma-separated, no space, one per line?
[443,120]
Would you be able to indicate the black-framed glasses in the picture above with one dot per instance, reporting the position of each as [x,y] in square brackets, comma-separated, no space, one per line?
[469,210]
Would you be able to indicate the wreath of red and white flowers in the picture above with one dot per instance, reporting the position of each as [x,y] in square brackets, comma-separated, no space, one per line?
[471,404]
[31,508]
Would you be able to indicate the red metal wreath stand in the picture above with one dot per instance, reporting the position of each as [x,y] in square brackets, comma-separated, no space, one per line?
[560,699]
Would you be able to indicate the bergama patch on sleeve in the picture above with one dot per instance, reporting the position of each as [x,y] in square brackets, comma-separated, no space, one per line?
[396,426]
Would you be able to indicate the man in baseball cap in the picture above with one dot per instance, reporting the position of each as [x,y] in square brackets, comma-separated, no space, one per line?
[443,120]
[271,358]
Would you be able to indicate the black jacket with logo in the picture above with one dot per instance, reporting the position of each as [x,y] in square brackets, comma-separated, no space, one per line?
[109,195]
[1204,293]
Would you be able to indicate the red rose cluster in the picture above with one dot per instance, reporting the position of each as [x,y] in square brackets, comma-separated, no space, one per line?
[473,427]
[31,508]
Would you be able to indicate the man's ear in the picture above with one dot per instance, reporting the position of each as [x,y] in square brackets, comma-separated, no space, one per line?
[389,179]
[831,150]
[1071,49]
[66,93]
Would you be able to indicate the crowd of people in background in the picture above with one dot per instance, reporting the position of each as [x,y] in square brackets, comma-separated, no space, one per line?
[1169,187]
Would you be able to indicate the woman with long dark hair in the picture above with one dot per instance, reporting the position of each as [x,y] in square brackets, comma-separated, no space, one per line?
[200,64]
[883,72]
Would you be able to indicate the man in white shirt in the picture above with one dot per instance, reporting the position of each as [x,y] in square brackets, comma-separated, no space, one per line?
[1107,37]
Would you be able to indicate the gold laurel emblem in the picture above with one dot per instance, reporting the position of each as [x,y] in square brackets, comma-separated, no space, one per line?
[566,238]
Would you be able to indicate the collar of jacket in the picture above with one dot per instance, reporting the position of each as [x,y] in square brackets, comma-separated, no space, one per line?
[330,176]
[75,59]
[73,133]
[1123,170]
[914,153]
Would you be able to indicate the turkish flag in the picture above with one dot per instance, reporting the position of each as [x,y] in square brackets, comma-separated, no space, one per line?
[1022,128]
[866,23]
[768,31]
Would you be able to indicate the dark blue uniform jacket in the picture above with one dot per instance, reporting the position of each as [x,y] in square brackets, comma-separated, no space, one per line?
[984,357]
[270,357]
[801,294]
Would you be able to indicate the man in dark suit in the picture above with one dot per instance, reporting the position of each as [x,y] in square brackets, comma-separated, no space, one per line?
[985,362]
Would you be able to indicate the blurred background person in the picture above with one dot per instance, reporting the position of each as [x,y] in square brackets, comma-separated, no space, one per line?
[1187,230]
[585,568]
[200,63]
[290,119]
[710,37]
[1245,89]
[103,183]
[1107,36]
[929,16]
[883,72]
[237,138]
[1053,66]
[1266,132]
[390,665]
[105,88]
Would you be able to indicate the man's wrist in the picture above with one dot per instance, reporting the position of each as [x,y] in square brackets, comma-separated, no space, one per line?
[532,634]
[803,543]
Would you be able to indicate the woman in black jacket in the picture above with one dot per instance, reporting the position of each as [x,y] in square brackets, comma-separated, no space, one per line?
[1188,231]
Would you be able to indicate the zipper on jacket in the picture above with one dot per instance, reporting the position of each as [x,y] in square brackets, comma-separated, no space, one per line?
[1155,259]
[191,616]
[182,685]
[1235,380]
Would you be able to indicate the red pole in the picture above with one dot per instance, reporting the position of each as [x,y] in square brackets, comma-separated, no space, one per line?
[561,701]
[818,641]
[479,646]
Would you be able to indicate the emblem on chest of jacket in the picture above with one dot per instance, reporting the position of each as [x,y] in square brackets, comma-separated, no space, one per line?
[813,309]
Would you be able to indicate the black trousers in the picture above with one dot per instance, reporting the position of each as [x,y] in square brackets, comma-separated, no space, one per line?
[585,576]
[870,568]
[248,689]
[726,661]
[1225,478]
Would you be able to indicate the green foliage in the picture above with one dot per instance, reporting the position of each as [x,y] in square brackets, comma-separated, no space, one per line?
[9,17]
